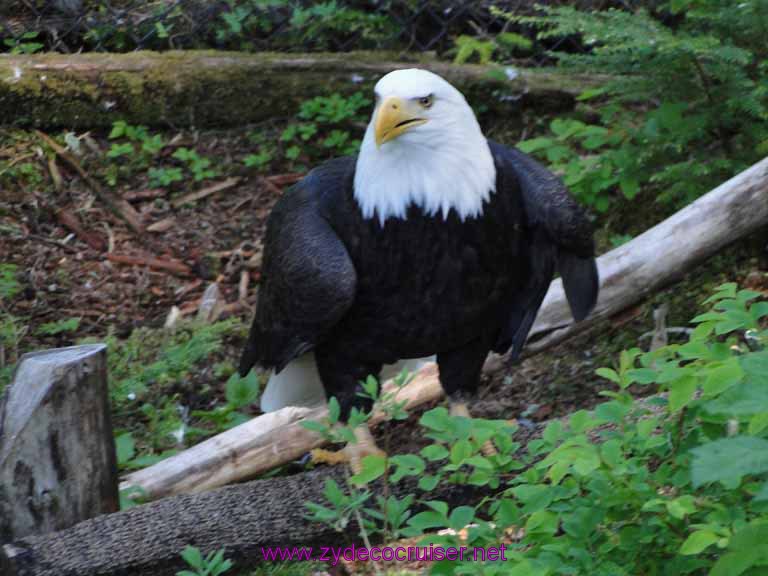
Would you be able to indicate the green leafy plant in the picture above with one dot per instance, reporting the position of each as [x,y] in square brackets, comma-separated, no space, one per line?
[240,392]
[325,128]
[132,150]
[212,564]
[12,329]
[687,109]
[24,44]
[315,26]
[677,484]
[59,326]
[199,167]
[503,44]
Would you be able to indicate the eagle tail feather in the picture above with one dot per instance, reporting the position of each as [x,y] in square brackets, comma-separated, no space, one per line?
[580,281]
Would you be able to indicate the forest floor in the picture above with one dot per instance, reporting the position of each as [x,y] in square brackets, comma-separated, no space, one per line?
[70,253]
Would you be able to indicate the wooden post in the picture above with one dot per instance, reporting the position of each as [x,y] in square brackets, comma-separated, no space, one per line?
[57,452]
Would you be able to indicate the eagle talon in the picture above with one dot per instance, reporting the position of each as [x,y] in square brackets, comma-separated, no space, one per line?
[351,453]
[330,457]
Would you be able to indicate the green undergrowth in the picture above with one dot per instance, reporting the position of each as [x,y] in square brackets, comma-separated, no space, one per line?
[164,388]
[687,108]
[675,485]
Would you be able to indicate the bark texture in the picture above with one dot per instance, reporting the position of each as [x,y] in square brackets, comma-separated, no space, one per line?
[57,454]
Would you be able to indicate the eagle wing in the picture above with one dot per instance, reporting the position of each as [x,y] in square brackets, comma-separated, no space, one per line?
[561,239]
[309,281]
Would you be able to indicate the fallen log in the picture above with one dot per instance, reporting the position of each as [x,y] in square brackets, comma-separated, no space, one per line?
[146,540]
[628,274]
[57,454]
[209,88]
[662,254]
[259,445]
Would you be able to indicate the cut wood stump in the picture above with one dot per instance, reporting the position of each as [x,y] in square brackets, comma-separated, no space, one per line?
[57,452]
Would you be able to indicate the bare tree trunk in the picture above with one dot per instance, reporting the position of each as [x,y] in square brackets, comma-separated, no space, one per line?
[57,454]
[210,88]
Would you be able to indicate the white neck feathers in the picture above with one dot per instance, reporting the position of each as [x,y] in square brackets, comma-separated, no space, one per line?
[442,165]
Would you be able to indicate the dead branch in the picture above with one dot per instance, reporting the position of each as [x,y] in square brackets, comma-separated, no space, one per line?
[118,206]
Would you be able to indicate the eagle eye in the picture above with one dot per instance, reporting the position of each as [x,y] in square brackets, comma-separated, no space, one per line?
[426,101]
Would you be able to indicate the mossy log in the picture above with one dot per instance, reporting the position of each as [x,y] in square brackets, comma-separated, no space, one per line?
[209,88]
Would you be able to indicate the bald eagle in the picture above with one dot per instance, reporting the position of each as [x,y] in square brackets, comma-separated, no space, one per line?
[432,241]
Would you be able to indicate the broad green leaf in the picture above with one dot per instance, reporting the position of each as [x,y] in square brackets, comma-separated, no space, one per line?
[460,517]
[542,522]
[758,423]
[698,541]
[125,448]
[681,507]
[406,465]
[533,496]
[733,563]
[334,409]
[427,520]
[643,375]
[434,452]
[581,522]
[332,491]
[428,482]
[681,392]
[744,399]
[193,557]
[436,419]
[581,421]
[460,451]
[723,377]
[609,374]
[373,467]
[762,494]
[613,412]
[729,459]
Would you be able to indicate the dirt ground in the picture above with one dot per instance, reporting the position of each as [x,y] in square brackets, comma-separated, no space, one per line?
[217,238]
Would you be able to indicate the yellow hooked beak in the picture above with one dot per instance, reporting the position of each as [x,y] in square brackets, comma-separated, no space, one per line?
[394,117]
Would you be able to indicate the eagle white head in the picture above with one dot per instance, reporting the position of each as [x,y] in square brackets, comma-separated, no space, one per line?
[423,146]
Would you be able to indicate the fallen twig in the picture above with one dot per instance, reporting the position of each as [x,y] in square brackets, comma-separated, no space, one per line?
[119,207]
[148,194]
[172,266]
[271,186]
[204,192]
[72,222]
[284,179]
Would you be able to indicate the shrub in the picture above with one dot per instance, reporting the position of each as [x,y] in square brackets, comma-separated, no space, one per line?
[687,106]
[675,485]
